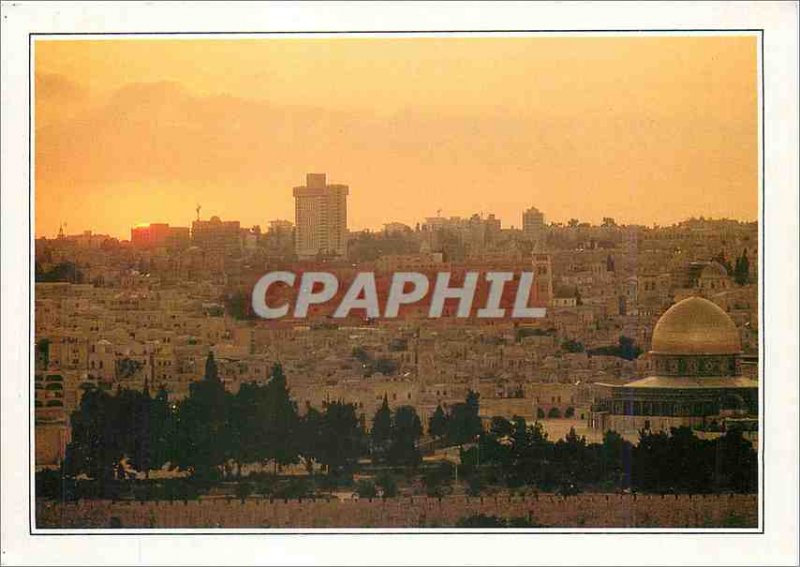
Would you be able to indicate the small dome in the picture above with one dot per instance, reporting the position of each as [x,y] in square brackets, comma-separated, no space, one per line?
[714,269]
[695,326]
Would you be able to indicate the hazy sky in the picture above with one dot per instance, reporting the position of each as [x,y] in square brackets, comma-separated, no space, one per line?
[643,129]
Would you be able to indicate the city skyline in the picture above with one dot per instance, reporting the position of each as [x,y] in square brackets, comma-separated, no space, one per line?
[643,129]
[265,226]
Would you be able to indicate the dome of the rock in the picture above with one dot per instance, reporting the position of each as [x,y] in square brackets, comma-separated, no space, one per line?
[695,326]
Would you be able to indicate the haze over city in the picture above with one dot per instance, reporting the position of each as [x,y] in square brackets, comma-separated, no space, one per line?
[643,129]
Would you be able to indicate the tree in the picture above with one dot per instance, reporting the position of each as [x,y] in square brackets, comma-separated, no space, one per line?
[97,447]
[741,274]
[474,485]
[481,521]
[361,354]
[149,426]
[387,484]
[572,223]
[437,425]
[243,490]
[628,349]
[615,459]
[501,427]
[264,423]
[238,305]
[366,489]
[736,463]
[63,272]
[528,454]
[280,421]
[246,422]
[203,432]
[464,423]
[381,432]
[405,433]
[571,345]
[341,437]
[571,456]
[438,479]
[43,350]
[311,437]
[127,368]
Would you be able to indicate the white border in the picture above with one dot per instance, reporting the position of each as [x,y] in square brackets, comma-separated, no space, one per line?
[777,545]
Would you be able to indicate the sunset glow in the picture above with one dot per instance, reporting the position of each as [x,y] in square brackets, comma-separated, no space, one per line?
[644,129]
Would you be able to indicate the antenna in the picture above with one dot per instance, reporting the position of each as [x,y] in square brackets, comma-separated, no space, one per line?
[197,209]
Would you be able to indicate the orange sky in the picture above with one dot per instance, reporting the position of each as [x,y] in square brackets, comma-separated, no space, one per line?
[643,129]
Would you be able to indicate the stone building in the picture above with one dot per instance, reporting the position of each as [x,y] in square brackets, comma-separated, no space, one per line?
[217,236]
[697,382]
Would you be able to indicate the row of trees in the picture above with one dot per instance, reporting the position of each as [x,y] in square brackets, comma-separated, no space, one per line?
[517,454]
[210,431]
[627,349]
[62,272]
[213,432]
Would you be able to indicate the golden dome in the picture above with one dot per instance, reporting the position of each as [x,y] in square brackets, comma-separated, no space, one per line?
[695,326]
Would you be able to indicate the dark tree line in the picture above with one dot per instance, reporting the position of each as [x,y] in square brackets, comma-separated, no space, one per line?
[627,349]
[62,272]
[516,454]
[210,433]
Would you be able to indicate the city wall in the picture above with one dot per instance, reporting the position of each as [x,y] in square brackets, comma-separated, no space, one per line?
[585,510]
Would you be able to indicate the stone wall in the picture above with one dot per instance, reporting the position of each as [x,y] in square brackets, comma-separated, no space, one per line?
[586,510]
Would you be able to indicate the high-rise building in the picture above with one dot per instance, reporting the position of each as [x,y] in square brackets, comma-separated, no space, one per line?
[320,217]
[533,224]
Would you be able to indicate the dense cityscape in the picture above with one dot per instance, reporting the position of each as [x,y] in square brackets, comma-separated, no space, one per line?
[163,325]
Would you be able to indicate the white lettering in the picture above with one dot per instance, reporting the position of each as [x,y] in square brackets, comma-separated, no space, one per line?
[364,282]
[443,291]
[397,294]
[260,306]
[497,282]
[307,296]
[521,310]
